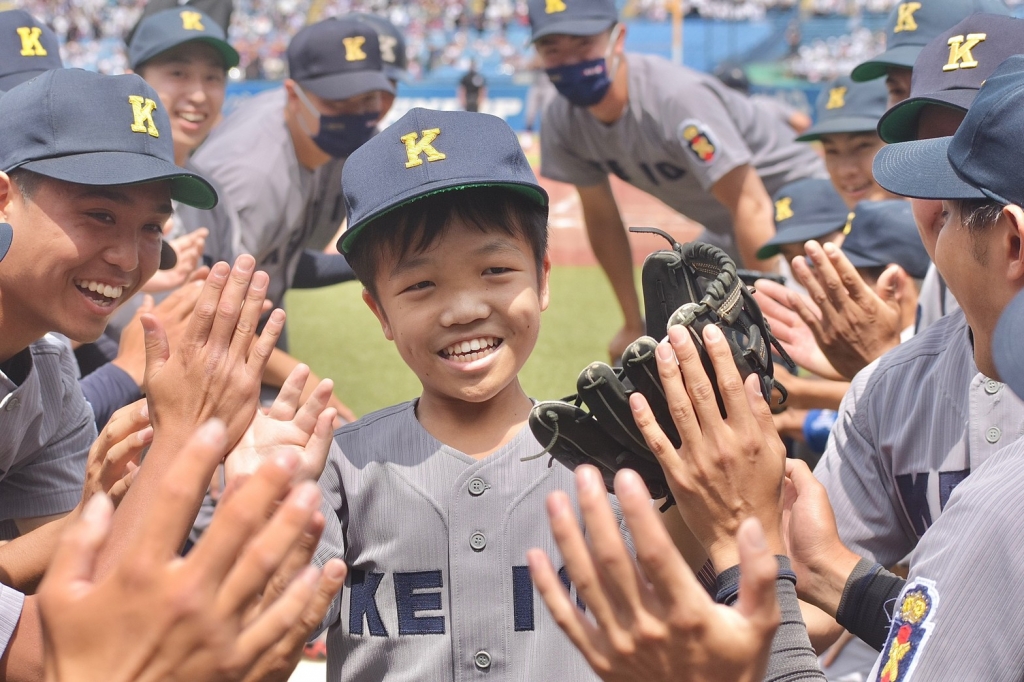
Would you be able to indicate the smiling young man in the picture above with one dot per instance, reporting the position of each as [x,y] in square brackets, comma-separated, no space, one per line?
[679,135]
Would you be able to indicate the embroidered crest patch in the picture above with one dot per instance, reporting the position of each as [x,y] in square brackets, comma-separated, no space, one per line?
[697,138]
[912,624]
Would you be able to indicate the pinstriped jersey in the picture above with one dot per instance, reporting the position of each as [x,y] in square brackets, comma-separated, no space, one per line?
[913,425]
[436,542]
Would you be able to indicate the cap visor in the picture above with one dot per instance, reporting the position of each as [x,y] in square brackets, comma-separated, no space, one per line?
[860,261]
[227,53]
[344,85]
[849,124]
[168,256]
[396,74]
[797,235]
[921,170]
[1006,348]
[127,168]
[6,237]
[901,56]
[899,124]
[575,27]
[13,80]
[534,193]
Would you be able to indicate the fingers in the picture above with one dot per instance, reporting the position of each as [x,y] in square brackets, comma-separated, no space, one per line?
[827,288]
[572,621]
[249,318]
[730,384]
[158,350]
[300,557]
[852,284]
[318,400]
[243,514]
[275,623]
[802,477]
[264,346]
[759,406]
[237,290]
[74,559]
[656,439]
[797,303]
[287,402]
[698,385]
[206,306]
[271,547]
[319,446]
[887,285]
[758,570]
[669,576]
[679,405]
[171,514]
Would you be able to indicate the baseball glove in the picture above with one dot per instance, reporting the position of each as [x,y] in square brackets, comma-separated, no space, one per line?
[693,285]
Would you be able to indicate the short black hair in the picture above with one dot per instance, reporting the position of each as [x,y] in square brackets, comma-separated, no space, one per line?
[978,215]
[28,182]
[413,228]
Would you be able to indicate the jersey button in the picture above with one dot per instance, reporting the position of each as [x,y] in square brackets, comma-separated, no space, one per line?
[993,435]
[992,387]
[12,404]
[477,487]
[478,541]
[482,660]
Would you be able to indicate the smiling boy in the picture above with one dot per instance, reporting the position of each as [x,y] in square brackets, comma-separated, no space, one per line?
[429,502]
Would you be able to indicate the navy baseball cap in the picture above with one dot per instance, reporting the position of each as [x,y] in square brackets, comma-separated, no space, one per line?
[571,17]
[805,209]
[1006,351]
[82,127]
[884,232]
[392,46]
[6,237]
[426,152]
[338,58]
[844,106]
[982,160]
[27,48]
[165,30]
[912,25]
[951,69]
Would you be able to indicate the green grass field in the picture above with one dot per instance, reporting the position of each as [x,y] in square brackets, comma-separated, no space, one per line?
[333,331]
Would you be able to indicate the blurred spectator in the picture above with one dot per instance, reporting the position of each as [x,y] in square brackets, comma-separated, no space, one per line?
[472,89]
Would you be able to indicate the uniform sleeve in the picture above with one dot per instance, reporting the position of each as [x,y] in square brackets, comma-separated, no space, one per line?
[558,160]
[51,481]
[699,129]
[107,390]
[332,540]
[958,617]
[854,472]
[11,603]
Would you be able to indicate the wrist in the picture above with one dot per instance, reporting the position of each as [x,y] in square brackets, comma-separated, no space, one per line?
[724,553]
[828,578]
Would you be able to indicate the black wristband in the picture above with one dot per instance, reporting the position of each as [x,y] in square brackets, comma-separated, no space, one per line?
[862,608]
[728,581]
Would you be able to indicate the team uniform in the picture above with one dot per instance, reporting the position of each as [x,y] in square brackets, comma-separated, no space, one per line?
[912,427]
[674,142]
[224,243]
[436,543]
[47,429]
[278,202]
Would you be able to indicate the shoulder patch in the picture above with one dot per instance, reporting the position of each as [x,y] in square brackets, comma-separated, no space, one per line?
[696,137]
[912,625]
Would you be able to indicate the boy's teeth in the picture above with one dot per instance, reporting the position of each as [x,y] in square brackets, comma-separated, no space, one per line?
[102,289]
[468,350]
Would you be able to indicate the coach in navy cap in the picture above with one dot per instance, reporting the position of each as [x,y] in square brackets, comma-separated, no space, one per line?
[806,209]
[27,48]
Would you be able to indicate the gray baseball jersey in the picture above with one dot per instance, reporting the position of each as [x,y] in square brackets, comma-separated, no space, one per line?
[436,542]
[680,133]
[959,616]
[11,602]
[913,425]
[47,429]
[224,242]
[279,203]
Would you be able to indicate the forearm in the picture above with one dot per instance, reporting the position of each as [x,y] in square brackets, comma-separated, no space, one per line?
[107,390]
[321,270]
[818,395]
[753,225]
[610,243]
[792,657]
[864,608]
[23,561]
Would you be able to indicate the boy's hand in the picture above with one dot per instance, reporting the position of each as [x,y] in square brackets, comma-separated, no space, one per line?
[185,618]
[778,305]
[114,457]
[658,625]
[305,430]
[189,248]
[216,369]
[726,470]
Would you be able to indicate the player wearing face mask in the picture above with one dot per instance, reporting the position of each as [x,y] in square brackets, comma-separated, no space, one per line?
[679,135]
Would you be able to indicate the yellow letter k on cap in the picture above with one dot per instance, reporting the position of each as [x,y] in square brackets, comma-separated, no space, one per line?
[354,48]
[413,149]
[836,98]
[783,209]
[142,111]
[905,17]
[30,45]
[960,56]
[555,6]
[192,21]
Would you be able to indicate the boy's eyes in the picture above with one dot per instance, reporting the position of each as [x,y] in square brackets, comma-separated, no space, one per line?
[420,286]
[497,270]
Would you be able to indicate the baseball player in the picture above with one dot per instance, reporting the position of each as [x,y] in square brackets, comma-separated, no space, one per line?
[679,135]
[434,506]
[847,114]
[911,26]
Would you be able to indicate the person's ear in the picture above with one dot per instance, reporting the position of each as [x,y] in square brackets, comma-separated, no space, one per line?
[7,193]
[378,312]
[545,289]
[1012,222]
[620,40]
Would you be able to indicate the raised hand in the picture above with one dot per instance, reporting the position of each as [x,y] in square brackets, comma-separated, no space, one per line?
[189,248]
[114,457]
[778,304]
[304,429]
[185,618]
[658,624]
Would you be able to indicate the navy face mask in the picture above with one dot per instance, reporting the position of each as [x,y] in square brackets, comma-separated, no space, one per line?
[584,84]
[342,134]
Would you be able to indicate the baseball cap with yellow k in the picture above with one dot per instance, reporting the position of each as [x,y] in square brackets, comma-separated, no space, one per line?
[89,129]
[27,48]
[571,17]
[427,152]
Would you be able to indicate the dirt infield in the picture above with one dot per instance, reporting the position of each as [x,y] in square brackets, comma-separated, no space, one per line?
[567,240]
